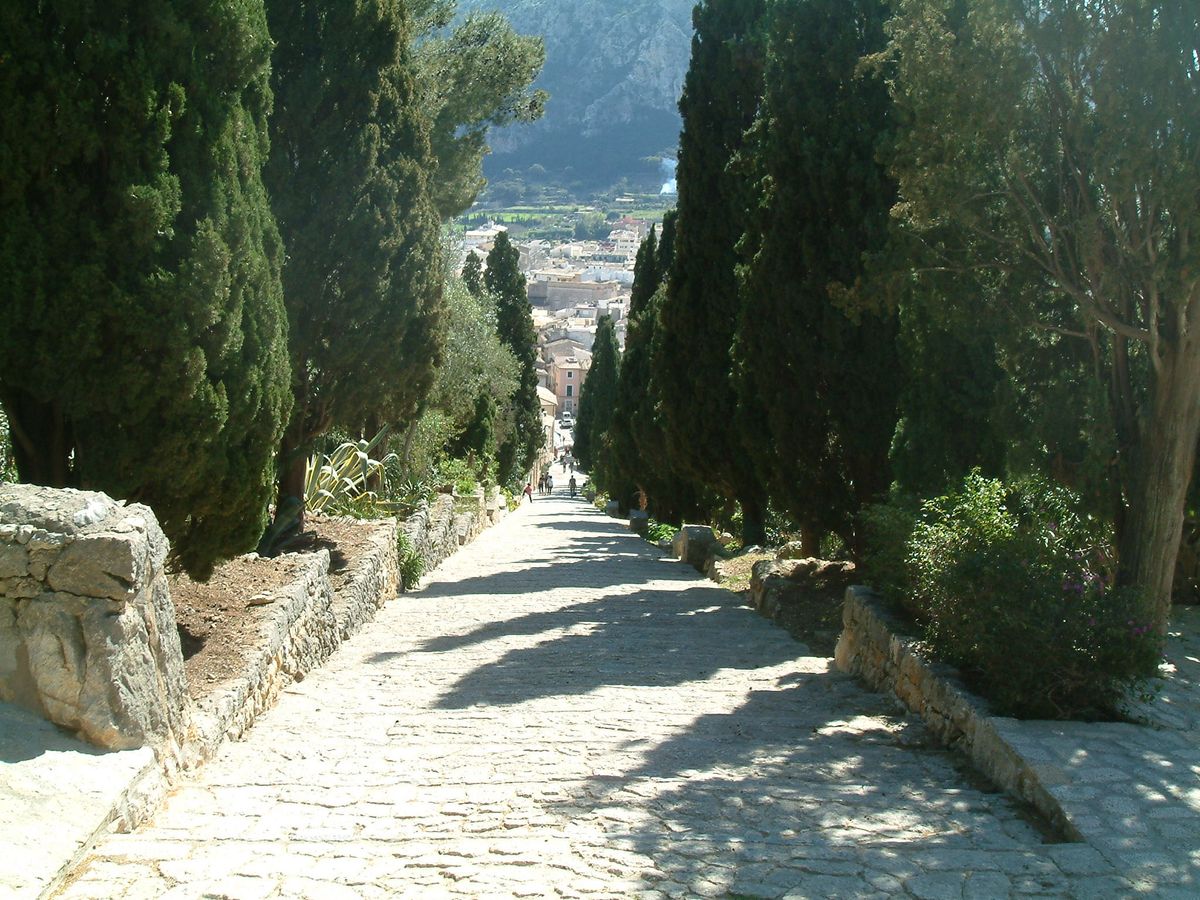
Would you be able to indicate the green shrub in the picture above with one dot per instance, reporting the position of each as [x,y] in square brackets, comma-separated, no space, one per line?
[660,531]
[1013,585]
[405,496]
[456,475]
[411,566]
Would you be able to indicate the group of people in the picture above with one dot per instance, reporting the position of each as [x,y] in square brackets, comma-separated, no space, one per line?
[546,485]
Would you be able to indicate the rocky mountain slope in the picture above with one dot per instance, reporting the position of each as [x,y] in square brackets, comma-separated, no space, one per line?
[614,70]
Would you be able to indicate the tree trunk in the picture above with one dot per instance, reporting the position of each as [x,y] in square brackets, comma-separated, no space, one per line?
[293,456]
[810,540]
[1161,473]
[291,468]
[753,525]
[42,440]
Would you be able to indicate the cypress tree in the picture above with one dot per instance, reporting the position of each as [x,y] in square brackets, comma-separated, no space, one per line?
[142,332]
[349,177]
[819,382]
[622,470]
[514,323]
[472,274]
[634,468]
[693,362]
[598,395]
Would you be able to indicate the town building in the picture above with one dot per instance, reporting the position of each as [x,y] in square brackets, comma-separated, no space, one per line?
[559,290]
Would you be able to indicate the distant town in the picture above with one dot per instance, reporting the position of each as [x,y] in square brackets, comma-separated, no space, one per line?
[572,283]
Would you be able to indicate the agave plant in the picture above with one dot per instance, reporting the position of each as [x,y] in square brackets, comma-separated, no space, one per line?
[340,481]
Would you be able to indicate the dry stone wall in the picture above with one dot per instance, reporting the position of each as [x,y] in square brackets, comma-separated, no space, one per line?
[301,634]
[374,579]
[87,629]
[873,646]
[436,530]
[431,531]
[88,637]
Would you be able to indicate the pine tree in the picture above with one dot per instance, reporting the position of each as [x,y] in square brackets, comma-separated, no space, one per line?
[818,381]
[142,332]
[349,177]
[473,76]
[598,395]
[692,364]
[514,322]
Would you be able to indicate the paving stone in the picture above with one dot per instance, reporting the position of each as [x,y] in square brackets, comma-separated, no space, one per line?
[561,711]
[937,886]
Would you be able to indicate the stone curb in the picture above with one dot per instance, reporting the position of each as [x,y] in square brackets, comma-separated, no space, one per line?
[874,648]
[309,624]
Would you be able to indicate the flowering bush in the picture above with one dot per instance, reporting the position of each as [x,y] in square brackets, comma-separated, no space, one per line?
[1012,584]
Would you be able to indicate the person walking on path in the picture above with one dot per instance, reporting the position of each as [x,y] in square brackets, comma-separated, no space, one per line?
[529,490]
[549,483]
[571,485]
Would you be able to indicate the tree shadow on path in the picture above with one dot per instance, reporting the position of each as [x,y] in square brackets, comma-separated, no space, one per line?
[815,787]
[644,638]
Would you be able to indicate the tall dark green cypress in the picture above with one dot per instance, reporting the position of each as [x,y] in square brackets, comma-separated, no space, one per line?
[598,395]
[472,274]
[692,365]
[514,322]
[633,467]
[142,332]
[819,374]
[622,471]
[349,177]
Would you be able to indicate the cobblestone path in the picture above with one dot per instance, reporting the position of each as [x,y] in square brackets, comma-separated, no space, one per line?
[563,712]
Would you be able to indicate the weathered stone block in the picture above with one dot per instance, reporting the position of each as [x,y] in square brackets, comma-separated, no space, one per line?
[14,561]
[791,550]
[87,632]
[102,565]
[639,522]
[692,545]
[612,508]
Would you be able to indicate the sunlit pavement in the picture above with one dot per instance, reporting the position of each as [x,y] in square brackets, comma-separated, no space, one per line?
[562,711]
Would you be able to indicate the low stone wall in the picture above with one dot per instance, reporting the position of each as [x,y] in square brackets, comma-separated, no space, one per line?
[431,531]
[87,629]
[82,600]
[301,634]
[436,530]
[374,579]
[873,647]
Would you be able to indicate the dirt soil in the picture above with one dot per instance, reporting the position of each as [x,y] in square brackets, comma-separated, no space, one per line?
[221,621]
[813,615]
